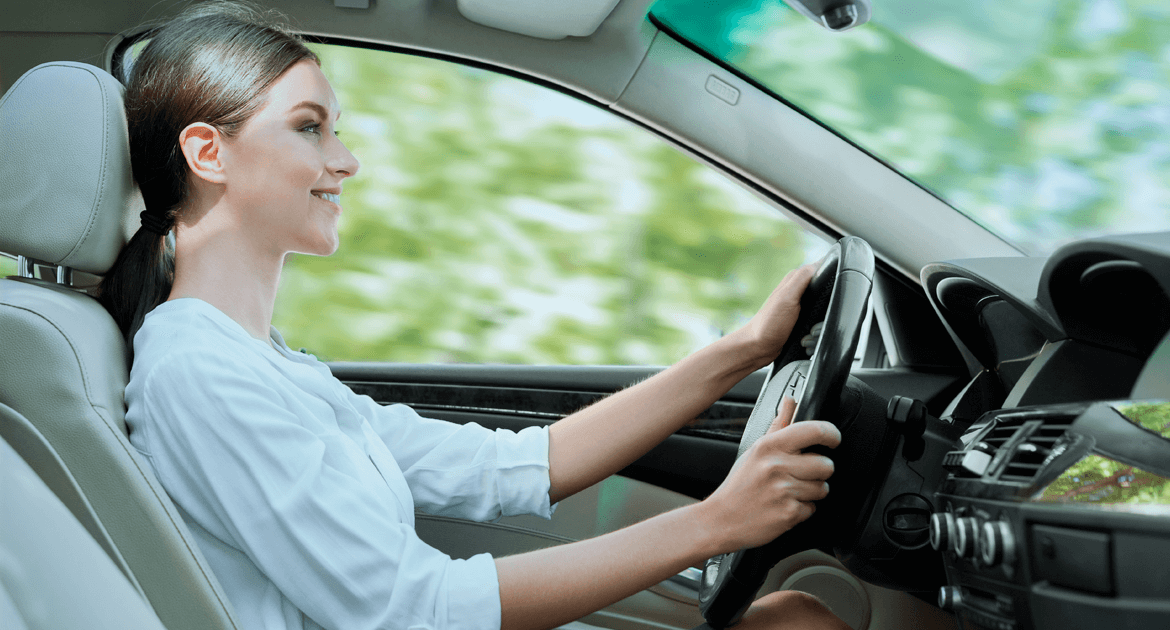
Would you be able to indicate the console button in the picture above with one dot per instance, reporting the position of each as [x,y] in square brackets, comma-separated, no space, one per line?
[949,597]
[942,527]
[969,463]
[963,541]
[997,544]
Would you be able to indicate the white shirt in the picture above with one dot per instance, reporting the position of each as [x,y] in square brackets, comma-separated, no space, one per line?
[301,494]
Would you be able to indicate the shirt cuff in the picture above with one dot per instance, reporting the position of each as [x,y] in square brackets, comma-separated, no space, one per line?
[474,600]
[523,482]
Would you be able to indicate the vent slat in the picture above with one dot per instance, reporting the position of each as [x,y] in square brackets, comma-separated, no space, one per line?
[1029,456]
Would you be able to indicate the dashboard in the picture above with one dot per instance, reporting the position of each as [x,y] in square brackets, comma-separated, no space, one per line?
[1049,473]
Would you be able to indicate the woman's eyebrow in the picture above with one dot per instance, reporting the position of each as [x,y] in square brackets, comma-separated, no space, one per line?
[315,106]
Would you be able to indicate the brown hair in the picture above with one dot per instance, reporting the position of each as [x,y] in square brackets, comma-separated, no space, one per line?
[212,64]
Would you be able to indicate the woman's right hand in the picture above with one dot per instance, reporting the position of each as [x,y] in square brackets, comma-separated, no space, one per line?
[773,486]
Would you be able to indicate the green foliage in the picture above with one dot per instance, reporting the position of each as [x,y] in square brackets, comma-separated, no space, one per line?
[1097,479]
[1154,417]
[7,266]
[495,221]
[1045,120]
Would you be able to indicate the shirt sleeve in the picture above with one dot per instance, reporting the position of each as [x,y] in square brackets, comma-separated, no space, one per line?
[465,471]
[234,452]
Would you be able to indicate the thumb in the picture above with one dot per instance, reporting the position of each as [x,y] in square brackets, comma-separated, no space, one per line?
[784,414]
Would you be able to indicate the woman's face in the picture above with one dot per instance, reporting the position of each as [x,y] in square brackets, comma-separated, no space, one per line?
[285,167]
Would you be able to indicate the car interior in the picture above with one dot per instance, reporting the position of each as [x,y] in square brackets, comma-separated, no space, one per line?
[1006,415]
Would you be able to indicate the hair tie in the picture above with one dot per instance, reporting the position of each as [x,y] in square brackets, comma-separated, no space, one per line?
[155,224]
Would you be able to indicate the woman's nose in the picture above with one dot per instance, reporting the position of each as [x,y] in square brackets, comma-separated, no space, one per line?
[341,161]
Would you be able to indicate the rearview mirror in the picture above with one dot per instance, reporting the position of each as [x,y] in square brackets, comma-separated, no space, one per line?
[835,15]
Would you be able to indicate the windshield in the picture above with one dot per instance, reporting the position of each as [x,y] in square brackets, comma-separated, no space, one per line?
[1043,120]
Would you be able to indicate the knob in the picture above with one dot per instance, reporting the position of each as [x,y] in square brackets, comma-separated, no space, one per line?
[906,416]
[942,527]
[906,520]
[963,541]
[949,597]
[997,544]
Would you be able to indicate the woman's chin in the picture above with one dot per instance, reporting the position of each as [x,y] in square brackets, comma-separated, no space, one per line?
[323,246]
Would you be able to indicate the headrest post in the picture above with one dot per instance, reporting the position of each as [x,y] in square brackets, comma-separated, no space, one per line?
[24,267]
[64,275]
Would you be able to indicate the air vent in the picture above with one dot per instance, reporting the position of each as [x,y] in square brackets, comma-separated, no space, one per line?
[1000,434]
[1031,452]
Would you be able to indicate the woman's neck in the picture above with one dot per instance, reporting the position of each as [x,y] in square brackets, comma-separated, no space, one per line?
[224,268]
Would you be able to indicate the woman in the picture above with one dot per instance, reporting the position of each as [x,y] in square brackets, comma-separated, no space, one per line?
[302,494]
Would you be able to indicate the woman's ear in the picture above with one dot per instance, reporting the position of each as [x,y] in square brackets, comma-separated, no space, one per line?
[201,144]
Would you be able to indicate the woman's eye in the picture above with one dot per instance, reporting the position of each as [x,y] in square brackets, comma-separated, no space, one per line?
[313,128]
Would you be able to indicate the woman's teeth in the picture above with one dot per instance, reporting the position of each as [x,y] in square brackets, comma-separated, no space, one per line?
[328,197]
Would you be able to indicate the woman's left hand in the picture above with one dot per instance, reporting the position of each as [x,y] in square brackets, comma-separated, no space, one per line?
[769,329]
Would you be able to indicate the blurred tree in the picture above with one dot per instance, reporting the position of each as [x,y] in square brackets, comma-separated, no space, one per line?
[1045,120]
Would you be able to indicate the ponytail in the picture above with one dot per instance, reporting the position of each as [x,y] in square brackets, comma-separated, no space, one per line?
[140,279]
[211,64]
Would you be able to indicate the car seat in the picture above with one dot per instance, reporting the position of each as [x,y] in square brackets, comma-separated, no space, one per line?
[55,575]
[65,194]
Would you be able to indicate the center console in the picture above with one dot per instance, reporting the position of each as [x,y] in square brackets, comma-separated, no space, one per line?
[1058,517]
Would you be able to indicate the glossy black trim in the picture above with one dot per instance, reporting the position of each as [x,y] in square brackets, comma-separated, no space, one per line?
[935,388]
[723,420]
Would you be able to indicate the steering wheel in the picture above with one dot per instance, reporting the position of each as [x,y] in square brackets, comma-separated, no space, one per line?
[838,295]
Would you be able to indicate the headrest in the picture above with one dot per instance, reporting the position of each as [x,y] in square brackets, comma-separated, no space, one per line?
[66,186]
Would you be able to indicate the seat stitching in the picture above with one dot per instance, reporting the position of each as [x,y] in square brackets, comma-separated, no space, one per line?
[101,172]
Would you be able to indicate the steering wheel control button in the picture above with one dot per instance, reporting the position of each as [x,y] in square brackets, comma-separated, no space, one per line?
[794,388]
[942,527]
[907,520]
[963,542]
[997,544]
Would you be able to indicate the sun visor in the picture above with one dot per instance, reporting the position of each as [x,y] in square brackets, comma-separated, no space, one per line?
[546,19]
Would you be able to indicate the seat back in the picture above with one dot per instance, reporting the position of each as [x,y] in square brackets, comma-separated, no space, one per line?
[54,576]
[65,363]
[24,438]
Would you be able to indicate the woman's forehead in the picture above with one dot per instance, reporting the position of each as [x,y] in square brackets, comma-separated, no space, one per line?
[302,87]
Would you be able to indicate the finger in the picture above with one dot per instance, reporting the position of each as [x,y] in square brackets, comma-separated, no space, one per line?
[796,281]
[784,414]
[810,466]
[802,273]
[817,492]
[803,491]
[801,435]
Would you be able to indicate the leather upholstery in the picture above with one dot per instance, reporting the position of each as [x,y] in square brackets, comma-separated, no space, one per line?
[54,576]
[66,185]
[24,438]
[65,363]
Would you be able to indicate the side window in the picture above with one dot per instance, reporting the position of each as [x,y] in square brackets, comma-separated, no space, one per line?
[497,221]
[7,265]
